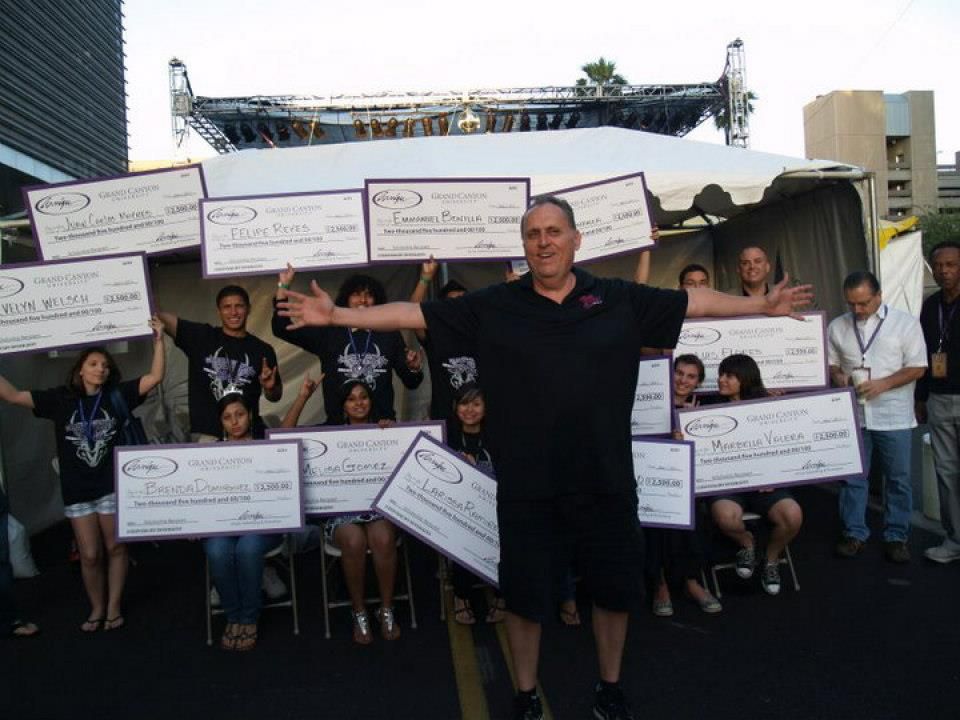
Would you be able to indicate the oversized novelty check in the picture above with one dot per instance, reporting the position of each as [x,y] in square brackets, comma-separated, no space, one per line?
[796,439]
[612,216]
[445,501]
[664,473]
[344,468]
[152,212]
[261,233]
[653,398]
[448,219]
[791,353]
[70,303]
[230,488]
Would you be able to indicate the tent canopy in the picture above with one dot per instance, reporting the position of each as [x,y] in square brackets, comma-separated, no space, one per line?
[686,178]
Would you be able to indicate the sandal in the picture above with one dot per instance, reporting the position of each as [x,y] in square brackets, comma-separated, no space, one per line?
[496,611]
[114,623]
[361,627]
[462,612]
[230,636]
[247,637]
[23,629]
[569,615]
[388,623]
[91,624]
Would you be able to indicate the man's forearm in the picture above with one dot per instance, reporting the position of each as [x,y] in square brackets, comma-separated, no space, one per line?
[704,302]
[392,316]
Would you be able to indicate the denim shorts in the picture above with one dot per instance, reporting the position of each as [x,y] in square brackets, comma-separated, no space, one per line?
[106,505]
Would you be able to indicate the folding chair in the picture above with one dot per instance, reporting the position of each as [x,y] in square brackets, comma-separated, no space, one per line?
[785,559]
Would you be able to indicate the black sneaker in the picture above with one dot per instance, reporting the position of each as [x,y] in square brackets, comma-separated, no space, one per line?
[527,707]
[610,704]
[770,578]
[896,551]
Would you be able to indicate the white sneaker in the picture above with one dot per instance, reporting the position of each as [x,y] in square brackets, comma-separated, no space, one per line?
[948,551]
[272,585]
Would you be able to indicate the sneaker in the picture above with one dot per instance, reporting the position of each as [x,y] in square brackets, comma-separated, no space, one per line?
[271,583]
[610,704]
[527,706]
[746,559]
[945,553]
[896,551]
[849,547]
[770,578]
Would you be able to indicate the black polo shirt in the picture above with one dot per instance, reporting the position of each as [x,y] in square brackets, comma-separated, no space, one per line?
[931,312]
[559,379]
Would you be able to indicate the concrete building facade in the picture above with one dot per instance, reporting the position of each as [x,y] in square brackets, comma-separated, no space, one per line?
[890,135]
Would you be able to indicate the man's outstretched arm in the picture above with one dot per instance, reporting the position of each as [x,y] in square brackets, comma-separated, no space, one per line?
[781,300]
[318,310]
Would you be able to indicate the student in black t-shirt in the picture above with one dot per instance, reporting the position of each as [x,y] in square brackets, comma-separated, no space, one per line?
[739,379]
[348,354]
[87,426]
[236,561]
[223,360]
[452,365]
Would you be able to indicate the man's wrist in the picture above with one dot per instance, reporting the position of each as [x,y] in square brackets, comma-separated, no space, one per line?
[425,279]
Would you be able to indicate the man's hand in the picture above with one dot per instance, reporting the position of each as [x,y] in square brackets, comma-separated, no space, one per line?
[314,309]
[414,361]
[428,269]
[869,389]
[783,300]
[268,377]
[284,280]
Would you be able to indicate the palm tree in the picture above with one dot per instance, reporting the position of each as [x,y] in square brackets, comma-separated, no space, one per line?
[601,75]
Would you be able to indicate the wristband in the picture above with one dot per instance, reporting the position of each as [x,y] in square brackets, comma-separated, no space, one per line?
[425,280]
[285,286]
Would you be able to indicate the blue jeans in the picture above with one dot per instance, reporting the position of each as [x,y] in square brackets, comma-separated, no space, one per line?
[236,566]
[894,448]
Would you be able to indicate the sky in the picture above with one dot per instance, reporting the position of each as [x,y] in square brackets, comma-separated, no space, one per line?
[242,48]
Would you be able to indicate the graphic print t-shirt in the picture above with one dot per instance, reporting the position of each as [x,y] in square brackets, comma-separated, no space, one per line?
[220,364]
[87,431]
[452,365]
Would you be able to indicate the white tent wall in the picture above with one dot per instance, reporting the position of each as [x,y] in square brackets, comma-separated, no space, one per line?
[902,272]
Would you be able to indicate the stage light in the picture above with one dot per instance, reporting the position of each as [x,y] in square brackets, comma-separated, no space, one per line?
[376,127]
[283,132]
[541,121]
[264,132]
[299,129]
[248,135]
[391,130]
[573,119]
[507,123]
[359,128]
[444,124]
[230,130]
[491,122]
[317,131]
[408,127]
[524,121]
[556,120]
[468,122]
[427,126]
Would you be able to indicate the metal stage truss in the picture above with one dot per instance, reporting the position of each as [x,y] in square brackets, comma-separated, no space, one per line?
[237,123]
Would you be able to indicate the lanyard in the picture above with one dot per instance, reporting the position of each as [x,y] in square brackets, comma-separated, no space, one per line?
[856,331]
[945,326]
[353,346]
[88,424]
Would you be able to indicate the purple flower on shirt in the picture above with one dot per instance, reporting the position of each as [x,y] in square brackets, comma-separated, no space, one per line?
[589,301]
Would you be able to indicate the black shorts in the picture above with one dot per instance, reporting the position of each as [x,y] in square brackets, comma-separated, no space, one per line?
[540,540]
[760,503]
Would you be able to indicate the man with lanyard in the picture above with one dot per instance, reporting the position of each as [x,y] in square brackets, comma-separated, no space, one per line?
[938,392]
[880,351]
[558,354]
[222,360]
[753,267]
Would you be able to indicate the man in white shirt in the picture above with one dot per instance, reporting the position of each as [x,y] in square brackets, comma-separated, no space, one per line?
[880,351]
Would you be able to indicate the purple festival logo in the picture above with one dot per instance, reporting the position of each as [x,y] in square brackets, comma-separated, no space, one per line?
[589,301]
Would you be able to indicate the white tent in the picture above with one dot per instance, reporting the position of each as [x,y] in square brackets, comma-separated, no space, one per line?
[809,213]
